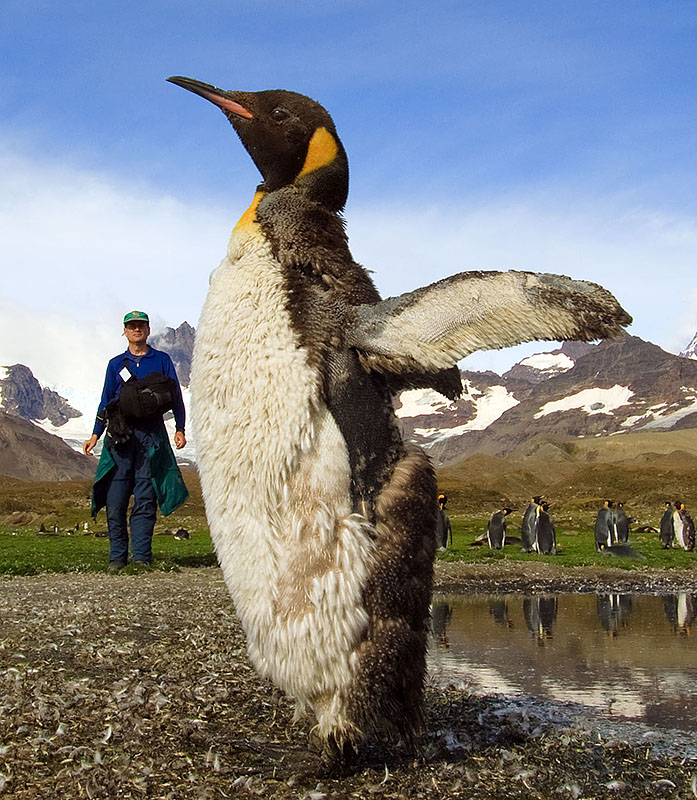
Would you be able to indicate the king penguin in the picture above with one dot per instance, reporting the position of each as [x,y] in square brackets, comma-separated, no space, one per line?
[496,529]
[545,532]
[621,521]
[667,530]
[322,517]
[528,526]
[604,526]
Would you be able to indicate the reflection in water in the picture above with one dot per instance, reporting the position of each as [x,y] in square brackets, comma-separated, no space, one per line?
[558,648]
[614,611]
[540,614]
[681,610]
[498,608]
[440,617]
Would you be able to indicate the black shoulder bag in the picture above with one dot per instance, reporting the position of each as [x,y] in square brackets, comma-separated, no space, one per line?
[147,398]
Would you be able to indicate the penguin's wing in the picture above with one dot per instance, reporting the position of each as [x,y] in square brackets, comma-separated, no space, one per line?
[434,327]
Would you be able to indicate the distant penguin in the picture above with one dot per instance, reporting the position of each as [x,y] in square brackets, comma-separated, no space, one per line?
[621,524]
[604,526]
[545,533]
[684,527]
[528,526]
[295,365]
[444,529]
[496,529]
[667,529]
[678,524]
[621,551]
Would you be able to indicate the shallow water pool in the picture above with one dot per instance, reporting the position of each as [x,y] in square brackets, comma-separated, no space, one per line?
[631,656]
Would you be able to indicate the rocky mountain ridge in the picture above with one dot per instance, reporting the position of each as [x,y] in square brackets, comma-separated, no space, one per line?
[619,386]
[179,343]
[21,395]
[29,453]
[691,350]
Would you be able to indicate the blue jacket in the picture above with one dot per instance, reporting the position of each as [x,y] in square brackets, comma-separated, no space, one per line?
[139,366]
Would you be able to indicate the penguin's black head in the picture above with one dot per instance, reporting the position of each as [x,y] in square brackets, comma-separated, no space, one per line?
[291,138]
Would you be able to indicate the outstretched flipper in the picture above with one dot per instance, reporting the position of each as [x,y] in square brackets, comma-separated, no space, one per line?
[434,327]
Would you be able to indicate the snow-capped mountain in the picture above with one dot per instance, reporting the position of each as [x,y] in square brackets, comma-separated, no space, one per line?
[616,387]
[691,350]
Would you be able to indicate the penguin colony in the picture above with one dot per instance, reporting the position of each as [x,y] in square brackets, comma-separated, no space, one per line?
[538,533]
[322,518]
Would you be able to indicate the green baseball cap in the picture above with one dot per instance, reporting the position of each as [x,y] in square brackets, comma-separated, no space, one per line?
[139,316]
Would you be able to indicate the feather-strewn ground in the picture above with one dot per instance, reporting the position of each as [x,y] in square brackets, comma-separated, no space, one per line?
[135,686]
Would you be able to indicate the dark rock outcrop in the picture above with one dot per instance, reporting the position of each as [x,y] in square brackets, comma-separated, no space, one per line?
[23,396]
[179,344]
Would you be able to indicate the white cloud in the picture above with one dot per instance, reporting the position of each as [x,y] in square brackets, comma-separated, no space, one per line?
[645,257]
[80,248]
[92,247]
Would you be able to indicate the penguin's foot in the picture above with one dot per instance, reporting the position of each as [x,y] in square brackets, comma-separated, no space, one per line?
[338,760]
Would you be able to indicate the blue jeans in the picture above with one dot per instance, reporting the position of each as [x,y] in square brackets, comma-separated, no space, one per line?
[131,477]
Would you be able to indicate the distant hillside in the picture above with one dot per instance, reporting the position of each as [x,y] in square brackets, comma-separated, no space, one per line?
[29,453]
[642,470]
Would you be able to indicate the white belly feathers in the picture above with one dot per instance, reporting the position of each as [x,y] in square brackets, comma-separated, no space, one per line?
[275,476]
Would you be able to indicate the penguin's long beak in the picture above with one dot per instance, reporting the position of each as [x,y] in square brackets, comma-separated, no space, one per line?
[214,95]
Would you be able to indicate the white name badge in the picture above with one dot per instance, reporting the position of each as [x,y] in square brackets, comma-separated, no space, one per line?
[124,374]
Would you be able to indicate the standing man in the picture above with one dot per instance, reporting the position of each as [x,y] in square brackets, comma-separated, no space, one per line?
[142,463]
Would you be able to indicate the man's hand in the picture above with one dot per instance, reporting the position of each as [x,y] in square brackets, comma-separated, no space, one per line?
[88,446]
[179,440]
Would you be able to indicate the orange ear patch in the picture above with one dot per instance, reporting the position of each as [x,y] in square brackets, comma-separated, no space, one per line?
[321,151]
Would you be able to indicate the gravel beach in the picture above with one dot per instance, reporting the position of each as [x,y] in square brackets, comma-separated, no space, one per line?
[139,686]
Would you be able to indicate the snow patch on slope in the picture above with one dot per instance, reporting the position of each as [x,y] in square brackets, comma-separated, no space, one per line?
[490,405]
[546,362]
[592,401]
[420,402]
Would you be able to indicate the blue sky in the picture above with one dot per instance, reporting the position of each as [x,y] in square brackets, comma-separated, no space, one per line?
[554,136]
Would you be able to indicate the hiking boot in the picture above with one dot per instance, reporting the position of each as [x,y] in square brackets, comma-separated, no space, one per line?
[115,566]
[139,564]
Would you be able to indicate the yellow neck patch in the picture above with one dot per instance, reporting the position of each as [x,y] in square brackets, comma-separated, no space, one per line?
[250,215]
[321,151]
